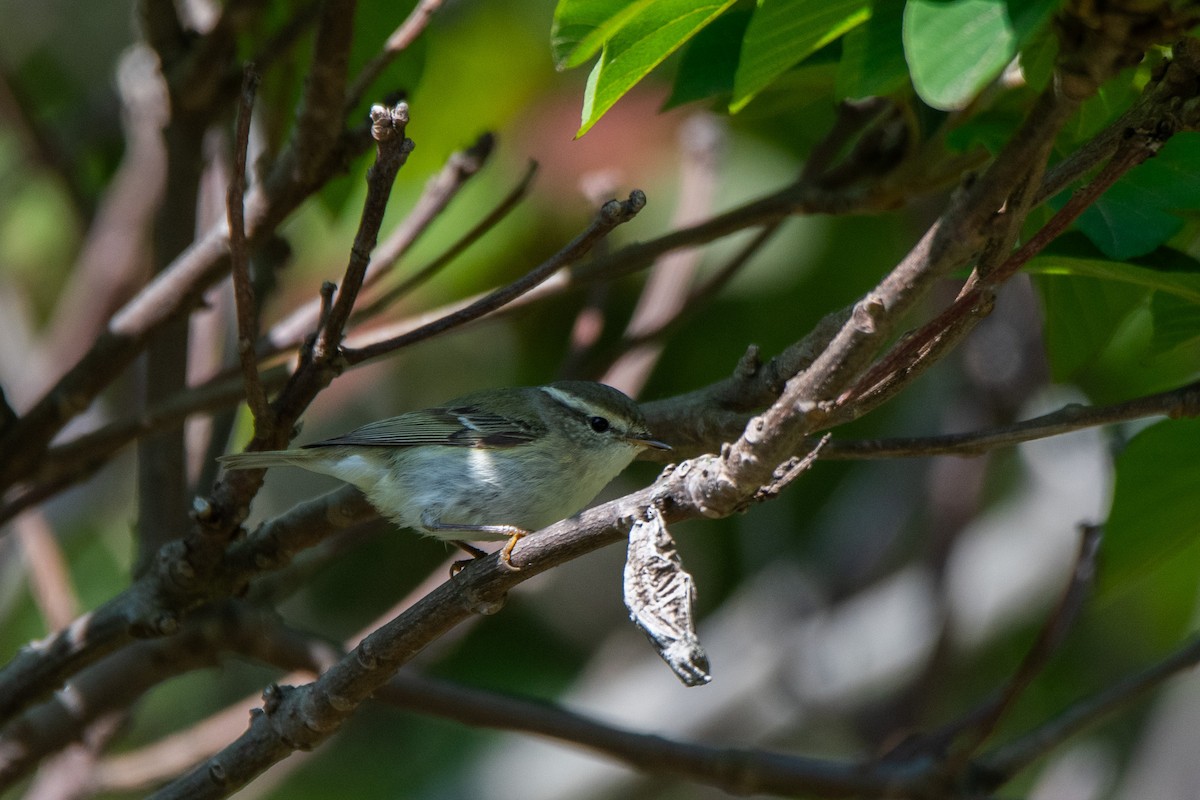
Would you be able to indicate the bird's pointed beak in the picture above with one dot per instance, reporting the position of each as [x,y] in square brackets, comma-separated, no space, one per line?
[646,441]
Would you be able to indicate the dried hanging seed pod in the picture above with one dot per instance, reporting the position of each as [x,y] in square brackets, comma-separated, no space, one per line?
[661,598]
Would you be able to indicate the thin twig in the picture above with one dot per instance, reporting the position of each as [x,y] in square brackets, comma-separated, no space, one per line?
[666,289]
[397,43]
[439,191]
[1009,759]
[502,209]
[613,213]
[459,168]
[704,293]
[239,257]
[78,459]
[388,127]
[737,771]
[1175,403]
[981,723]
[49,575]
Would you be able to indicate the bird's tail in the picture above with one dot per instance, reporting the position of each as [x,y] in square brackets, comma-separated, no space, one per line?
[267,458]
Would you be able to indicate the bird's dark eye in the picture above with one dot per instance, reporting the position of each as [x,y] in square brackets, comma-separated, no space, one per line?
[599,424]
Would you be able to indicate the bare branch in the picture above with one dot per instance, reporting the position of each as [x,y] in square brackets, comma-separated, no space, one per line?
[154,604]
[613,213]
[115,683]
[737,771]
[663,297]
[49,576]
[493,218]
[978,725]
[439,191]
[114,260]
[1009,759]
[320,118]
[239,258]
[1049,639]
[387,127]
[1181,402]
[396,44]
[975,301]
[78,459]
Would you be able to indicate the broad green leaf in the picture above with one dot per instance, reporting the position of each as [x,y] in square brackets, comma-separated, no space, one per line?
[1102,108]
[873,54]
[710,59]
[1082,317]
[581,27]
[783,33]
[1143,209]
[1037,58]
[656,31]
[1183,284]
[1176,322]
[802,93]
[1102,324]
[1153,516]
[956,48]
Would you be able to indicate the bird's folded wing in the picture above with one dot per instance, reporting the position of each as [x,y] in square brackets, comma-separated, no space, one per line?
[458,426]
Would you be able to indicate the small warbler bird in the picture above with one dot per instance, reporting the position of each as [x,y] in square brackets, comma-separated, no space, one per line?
[491,465]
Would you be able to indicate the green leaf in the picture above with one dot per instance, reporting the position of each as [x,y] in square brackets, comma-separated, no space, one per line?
[648,37]
[873,54]
[783,33]
[1102,108]
[1143,209]
[1102,317]
[1082,317]
[708,63]
[956,48]
[1176,322]
[1153,514]
[1183,284]
[581,27]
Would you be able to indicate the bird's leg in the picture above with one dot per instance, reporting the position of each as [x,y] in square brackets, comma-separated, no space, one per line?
[468,548]
[513,533]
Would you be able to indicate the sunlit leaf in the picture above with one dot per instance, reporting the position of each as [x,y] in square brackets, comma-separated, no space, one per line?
[873,54]
[956,48]
[581,27]
[783,33]
[647,37]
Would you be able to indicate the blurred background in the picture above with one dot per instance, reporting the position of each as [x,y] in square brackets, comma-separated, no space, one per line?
[872,600]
